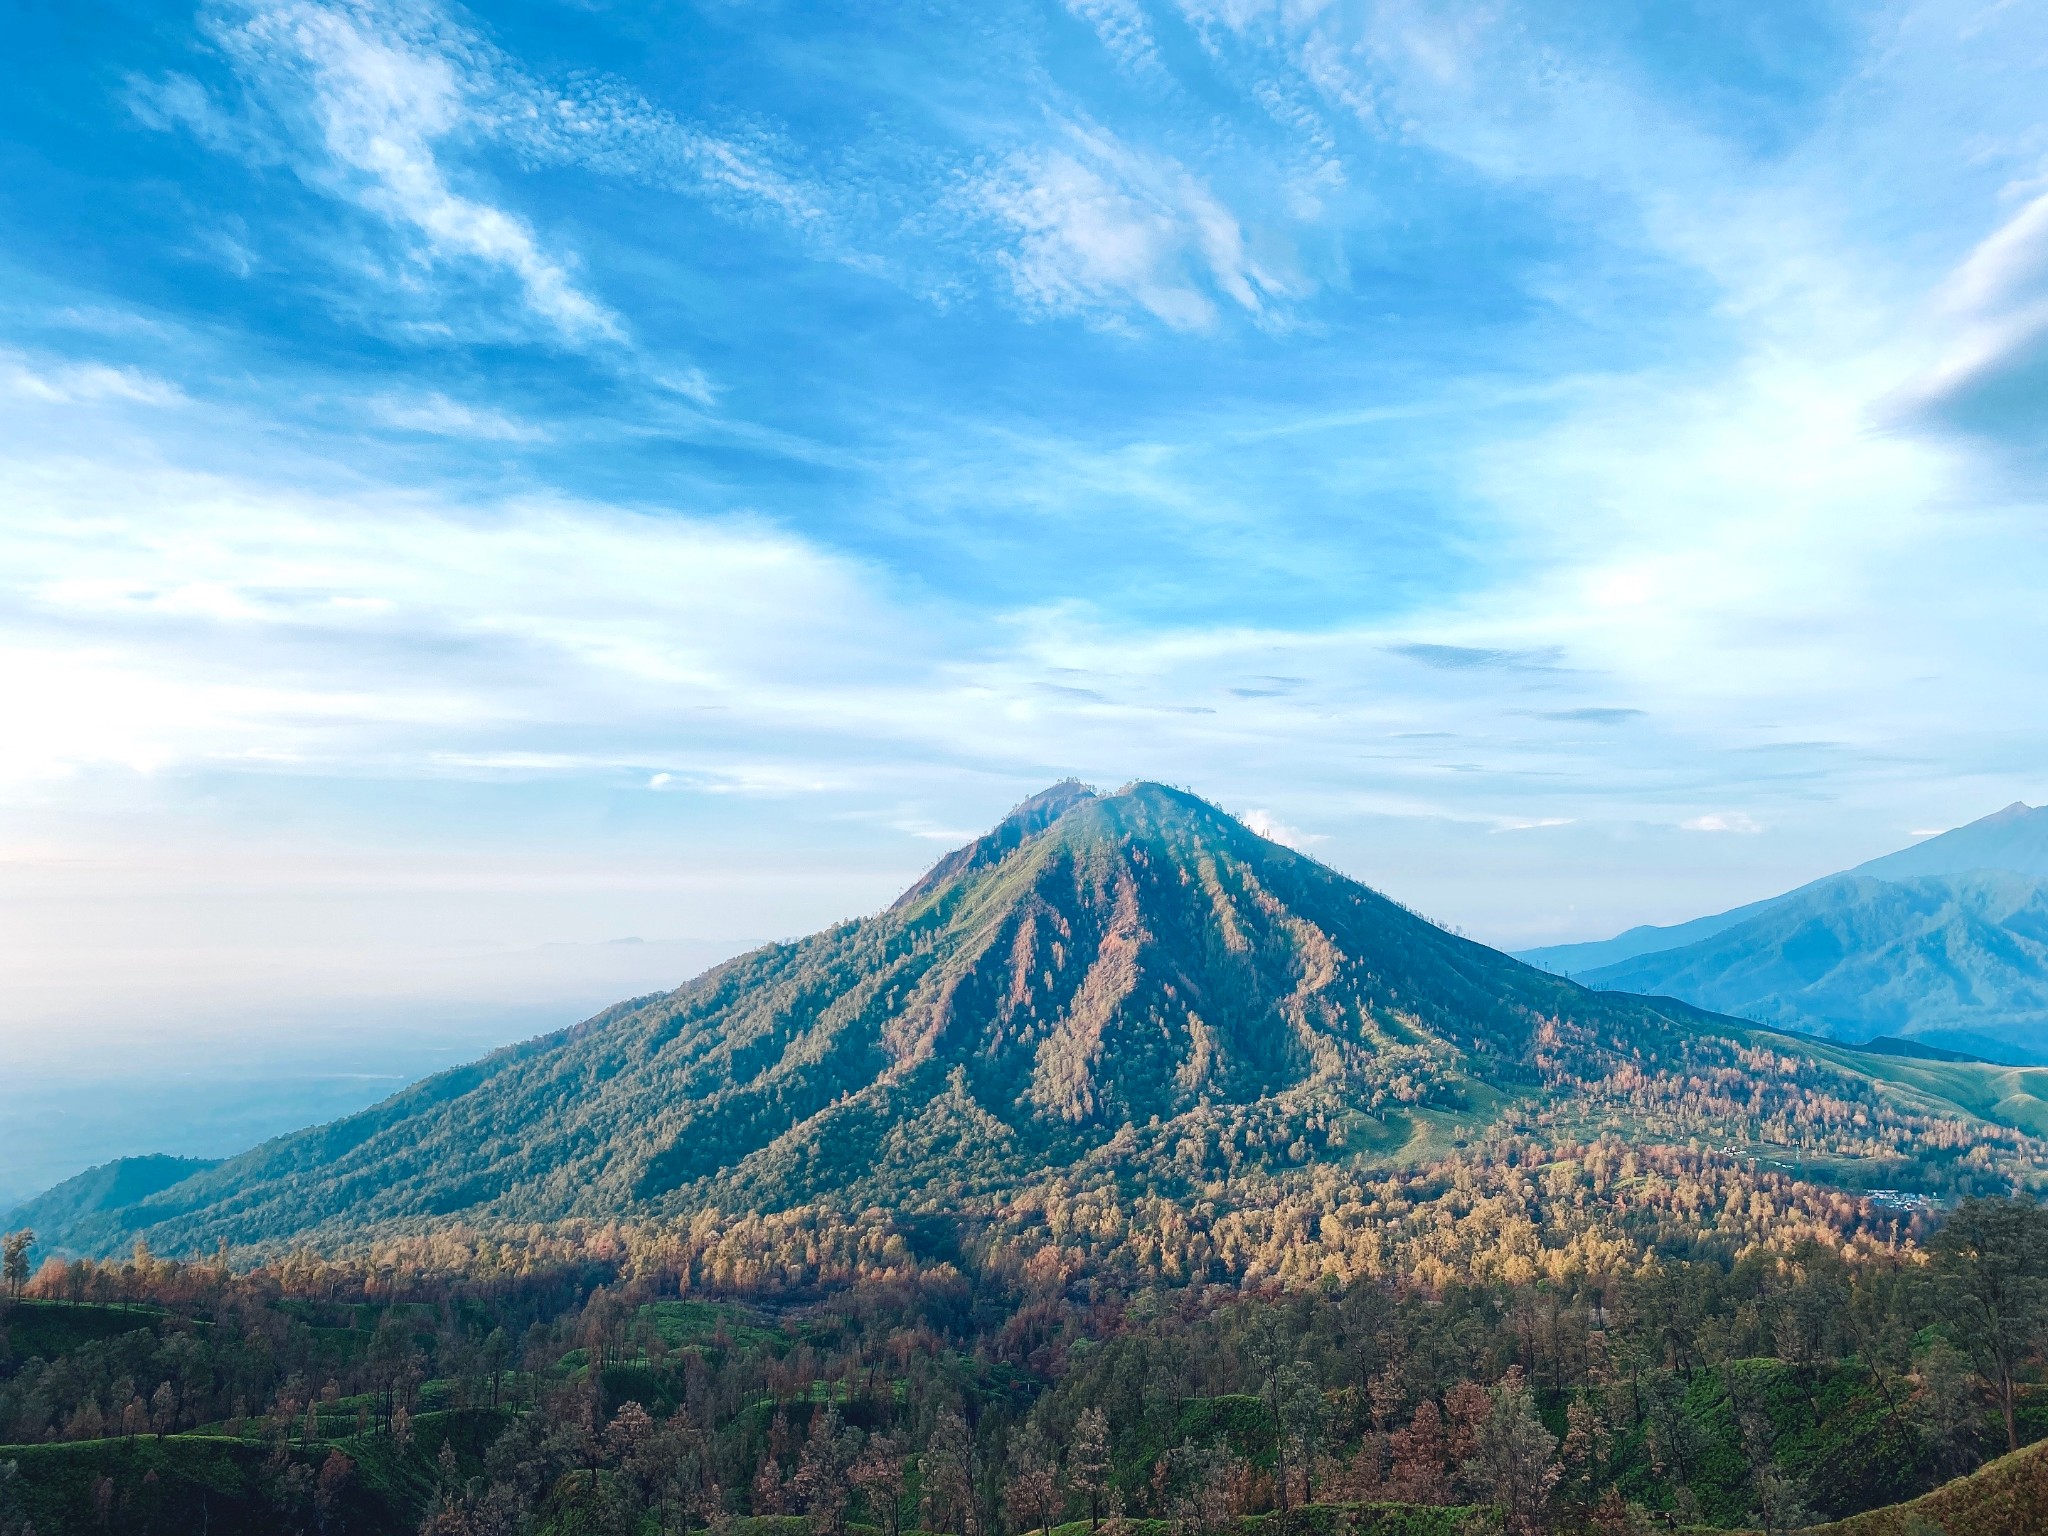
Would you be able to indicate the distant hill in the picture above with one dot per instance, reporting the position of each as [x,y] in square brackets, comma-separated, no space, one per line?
[1133,987]
[2014,839]
[1855,957]
[1647,939]
[1941,941]
[108,1187]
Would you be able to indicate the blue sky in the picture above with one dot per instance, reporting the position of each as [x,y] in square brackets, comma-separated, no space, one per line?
[487,483]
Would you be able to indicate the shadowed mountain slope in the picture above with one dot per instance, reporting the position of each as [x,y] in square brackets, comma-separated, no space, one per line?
[1097,973]
[108,1187]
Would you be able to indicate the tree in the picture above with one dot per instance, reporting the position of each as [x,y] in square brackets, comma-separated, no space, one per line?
[1779,1507]
[820,1481]
[163,1410]
[1088,1462]
[335,1472]
[878,1472]
[1991,1279]
[1944,1406]
[494,1358]
[1033,1492]
[14,1249]
[1191,1485]
[1299,1399]
[948,1468]
[1513,1456]
[1584,1452]
[1418,1457]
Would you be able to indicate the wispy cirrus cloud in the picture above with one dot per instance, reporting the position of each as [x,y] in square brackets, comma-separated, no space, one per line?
[434,413]
[1992,366]
[1097,228]
[85,383]
[1468,658]
[389,105]
[388,93]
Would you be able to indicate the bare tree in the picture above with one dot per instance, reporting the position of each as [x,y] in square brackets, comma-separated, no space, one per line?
[1033,1493]
[880,1475]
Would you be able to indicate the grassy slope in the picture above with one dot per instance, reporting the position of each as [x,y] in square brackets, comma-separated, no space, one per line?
[52,1328]
[224,1486]
[2015,1096]
[2009,1497]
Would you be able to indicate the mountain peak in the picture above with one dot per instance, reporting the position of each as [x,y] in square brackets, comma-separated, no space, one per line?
[1030,817]
[2014,839]
[1049,805]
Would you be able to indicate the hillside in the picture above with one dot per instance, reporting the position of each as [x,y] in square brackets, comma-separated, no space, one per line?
[107,1187]
[2007,1498]
[1133,984]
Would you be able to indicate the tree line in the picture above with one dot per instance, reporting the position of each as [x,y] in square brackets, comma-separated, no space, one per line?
[980,1394]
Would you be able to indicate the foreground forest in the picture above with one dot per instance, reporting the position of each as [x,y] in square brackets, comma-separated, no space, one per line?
[1796,1361]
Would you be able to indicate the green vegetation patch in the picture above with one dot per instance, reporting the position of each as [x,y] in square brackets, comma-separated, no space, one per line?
[47,1329]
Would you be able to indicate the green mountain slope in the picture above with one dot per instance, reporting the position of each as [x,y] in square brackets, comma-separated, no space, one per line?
[1856,956]
[107,1187]
[1097,981]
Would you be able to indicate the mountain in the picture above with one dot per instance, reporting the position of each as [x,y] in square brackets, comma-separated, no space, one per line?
[1962,958]
[1942,942]
[1646,939]
[2014,839]
[1133,986]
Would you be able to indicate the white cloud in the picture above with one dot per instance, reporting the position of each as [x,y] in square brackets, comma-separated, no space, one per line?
[85,383]
[1124,30]
[1274,830]
[1722,821]
[384,102]
[159,619]
[436,414]
[1992,312]
[1098,227]
[385,99]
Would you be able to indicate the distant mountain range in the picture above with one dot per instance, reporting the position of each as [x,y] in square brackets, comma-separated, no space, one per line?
[1945,942]
[1132,988]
